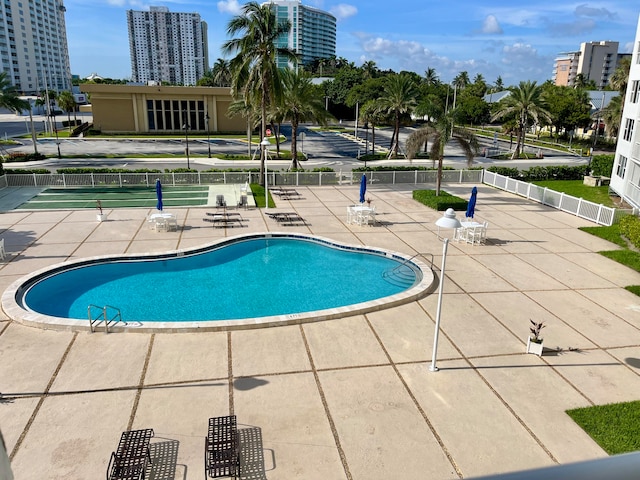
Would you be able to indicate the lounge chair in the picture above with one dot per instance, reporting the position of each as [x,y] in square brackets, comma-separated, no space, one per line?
[130,460]
[220,202]
[221,448]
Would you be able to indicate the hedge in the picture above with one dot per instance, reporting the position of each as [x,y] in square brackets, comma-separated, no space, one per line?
[440,202]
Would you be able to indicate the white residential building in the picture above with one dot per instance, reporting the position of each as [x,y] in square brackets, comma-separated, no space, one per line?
[167,46]
[312,34]
[625,178]
[33,45]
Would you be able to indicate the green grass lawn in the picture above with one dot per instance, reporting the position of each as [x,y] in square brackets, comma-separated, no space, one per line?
[578,189]
[626,256]
[615,427]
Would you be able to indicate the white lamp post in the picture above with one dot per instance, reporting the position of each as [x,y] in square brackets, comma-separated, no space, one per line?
[448,220]
[264,144]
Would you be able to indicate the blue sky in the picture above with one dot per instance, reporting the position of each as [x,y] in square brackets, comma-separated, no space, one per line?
[517,40]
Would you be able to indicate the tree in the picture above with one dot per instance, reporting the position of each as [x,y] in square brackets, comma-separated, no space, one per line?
[9,96]
[67,103]
[498,86]
[221,73]
[612,115]
[431,77]
[620,77]
[569,107]
[399,96]
[461,80]
[254,66]
[440,133]
[300,103]
[526,102]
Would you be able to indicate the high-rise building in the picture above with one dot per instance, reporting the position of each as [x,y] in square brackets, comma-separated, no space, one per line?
[625,178]
[312,34]
[33,45]
[595,61]
[167,46]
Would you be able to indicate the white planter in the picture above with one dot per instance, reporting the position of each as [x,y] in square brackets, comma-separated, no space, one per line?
[101,217]
[534,347]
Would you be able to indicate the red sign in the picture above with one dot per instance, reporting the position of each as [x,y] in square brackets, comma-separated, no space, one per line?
[268,132]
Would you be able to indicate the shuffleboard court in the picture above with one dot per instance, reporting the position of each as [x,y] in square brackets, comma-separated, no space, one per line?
[129,197]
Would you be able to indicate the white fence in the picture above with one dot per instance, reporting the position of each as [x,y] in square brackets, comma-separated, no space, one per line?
[212,178]
[595,212]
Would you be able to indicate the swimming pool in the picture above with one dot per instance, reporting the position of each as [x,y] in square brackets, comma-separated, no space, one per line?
[249,280]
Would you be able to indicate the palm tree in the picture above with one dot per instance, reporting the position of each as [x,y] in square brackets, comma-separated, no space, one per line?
[371,115]
[612,115]
[300,103]
[431,77]
[525,102]
[440,132]
[461,80]
[399,96]
[67,103]
[9,96]
[221,73]
[254,66]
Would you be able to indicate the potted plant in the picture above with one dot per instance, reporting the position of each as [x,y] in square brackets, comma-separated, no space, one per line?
[534,342]
[101,216]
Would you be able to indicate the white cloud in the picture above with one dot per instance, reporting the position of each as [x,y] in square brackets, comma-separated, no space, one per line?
[229,6]
[343,11]
[586,11]
[491,26]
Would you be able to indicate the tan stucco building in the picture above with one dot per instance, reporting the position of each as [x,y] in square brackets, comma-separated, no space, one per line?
[161,109]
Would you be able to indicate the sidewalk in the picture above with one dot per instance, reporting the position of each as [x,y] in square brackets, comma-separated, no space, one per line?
[351,398]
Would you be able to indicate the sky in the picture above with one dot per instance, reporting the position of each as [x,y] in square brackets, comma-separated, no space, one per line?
[516,40]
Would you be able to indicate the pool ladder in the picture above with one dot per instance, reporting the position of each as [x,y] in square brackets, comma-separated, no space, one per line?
[101,314]
[402,275]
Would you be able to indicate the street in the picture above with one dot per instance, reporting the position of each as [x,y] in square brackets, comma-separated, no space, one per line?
[324,148]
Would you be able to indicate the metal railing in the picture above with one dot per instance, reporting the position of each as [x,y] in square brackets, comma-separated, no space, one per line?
[595,212]
[102,316]
[212,178]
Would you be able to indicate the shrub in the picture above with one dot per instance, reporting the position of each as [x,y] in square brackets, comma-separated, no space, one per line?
[23,157]
[440,202]
[22,171]
[602,165]
[630,228]
[552,172]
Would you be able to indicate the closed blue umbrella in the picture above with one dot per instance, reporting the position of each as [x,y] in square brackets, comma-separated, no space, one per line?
[363,187]
[471,207]
[159,194]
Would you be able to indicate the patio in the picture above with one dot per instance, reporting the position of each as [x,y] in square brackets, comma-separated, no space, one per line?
[351,398]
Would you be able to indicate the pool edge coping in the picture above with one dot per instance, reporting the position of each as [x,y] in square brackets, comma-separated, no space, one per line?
[16,312]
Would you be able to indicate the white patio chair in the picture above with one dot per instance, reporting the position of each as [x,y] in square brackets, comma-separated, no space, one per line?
[3,252]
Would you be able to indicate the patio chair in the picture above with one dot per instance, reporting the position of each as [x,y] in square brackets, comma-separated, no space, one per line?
[130,460]
[220,202]
[3,252]
[221,448]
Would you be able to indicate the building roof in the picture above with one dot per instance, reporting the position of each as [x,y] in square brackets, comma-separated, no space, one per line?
[495,97]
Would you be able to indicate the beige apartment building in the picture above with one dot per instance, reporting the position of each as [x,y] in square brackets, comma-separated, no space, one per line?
[161,109]
[595,61]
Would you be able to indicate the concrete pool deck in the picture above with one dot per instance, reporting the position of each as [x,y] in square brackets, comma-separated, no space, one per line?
[350,398]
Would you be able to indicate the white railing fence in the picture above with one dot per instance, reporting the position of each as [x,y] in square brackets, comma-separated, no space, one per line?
[591,211]
[212,178]
[594,212]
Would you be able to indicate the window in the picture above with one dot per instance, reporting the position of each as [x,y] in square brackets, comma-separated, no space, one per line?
[635,91]
[622,166]
[628,129]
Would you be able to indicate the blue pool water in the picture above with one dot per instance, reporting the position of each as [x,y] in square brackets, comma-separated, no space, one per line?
[247,279]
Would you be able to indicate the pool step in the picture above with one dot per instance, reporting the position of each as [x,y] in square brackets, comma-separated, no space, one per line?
[401,276]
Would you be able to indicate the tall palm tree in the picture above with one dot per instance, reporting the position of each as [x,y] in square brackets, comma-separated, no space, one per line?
[67,103]
[300,103]
[399,96]
[254,64]
[440,133]
[9,96]
[526,103]
[461,80]
[612,115]
[221,73]
[431,77]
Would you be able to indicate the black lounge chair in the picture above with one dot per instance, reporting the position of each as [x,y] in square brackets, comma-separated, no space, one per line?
[130,460]
[221,448]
